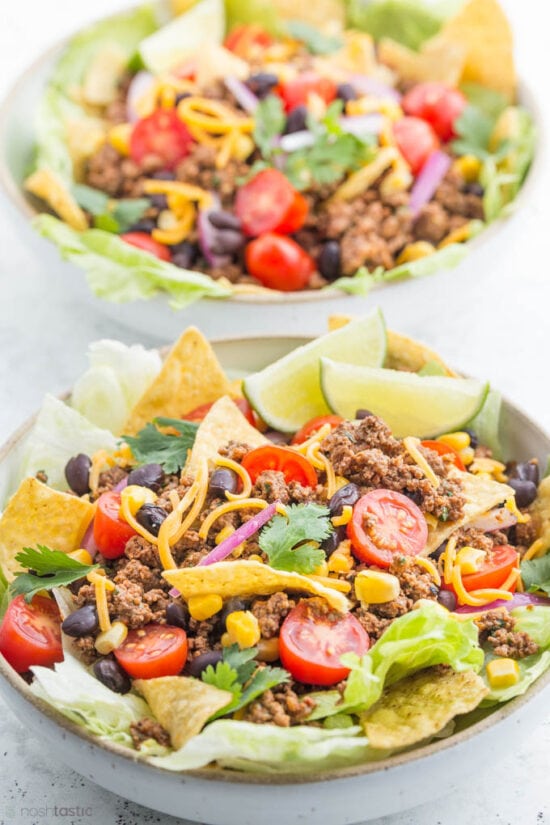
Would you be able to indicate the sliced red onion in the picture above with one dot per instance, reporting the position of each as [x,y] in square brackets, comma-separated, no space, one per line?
[428,179]
[174,592]
[138,88]
[358,125]
[88,542]
[121,485]
[245,531]
[242,94]
[207,235]
[517,600]
[498,519]
[371,86]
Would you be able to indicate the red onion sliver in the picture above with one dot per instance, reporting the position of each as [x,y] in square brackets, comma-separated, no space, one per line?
[498,519]
[371,86]
[242,94]
[121,485]
[428,179]
[174,592]
[138,88]
[245,531]
[517,600]
[88,542]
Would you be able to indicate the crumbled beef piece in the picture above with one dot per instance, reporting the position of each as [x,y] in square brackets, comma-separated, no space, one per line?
[271,486]
[525,534]
[391,610]
[496,627]
[109,479]
[85,595]
[271,612]
[187,549]
[199,168]
[86,649]
[416,583]
[235,450]
[134,571]
[303,495]
[157,601]
[432,223]
[127,604]
[148,728]
[203,636]
[104,172]
[450,195]
[471,537]
[139,549]
[280,706]
[42,476]
[374,625]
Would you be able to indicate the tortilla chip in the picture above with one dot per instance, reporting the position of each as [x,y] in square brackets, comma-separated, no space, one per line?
[36,514]
[190,376]
[481,494]
[46,185]
[540,511]
[182,705]
[247,578]
[223,423]
[420,706]
[436,61]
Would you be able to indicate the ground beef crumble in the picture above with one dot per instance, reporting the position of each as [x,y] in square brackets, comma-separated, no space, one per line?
[147,728]
[496,627]
[280,706]
[107,480]
[271,612]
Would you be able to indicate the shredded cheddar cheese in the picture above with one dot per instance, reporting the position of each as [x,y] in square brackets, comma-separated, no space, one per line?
[170,524]
[535,550]
[344,518]
[411,445]
[512,506]
[449,559]
[212,116]
[336,584]
[428,565]
[316,438]
[100,460]
[101,584]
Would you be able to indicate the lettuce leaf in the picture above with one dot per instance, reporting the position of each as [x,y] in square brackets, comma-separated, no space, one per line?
[51,148]
[119,272]
[419,639]
[262,12]
[409,22]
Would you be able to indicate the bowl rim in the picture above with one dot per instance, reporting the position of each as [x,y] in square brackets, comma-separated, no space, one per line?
[218,774]
[17,198]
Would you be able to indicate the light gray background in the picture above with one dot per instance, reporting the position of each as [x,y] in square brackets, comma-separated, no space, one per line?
[490,318]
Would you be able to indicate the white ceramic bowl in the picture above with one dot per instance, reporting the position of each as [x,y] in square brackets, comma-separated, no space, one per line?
[269,312]
[222,797]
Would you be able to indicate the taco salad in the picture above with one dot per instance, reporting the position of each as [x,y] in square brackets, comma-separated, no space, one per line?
[319,565]
[233,148]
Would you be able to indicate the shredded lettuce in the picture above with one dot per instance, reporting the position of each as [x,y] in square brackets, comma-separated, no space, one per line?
[119,272]
[486,424]
[409,22]
[262,12]
[51,149]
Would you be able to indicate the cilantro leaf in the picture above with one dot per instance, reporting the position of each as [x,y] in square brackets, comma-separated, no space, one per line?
[51,568]
[315,41]
[4,594]
[92,200]
[224,677]
[290,541]
[473,128]
[536,574]
[151,446]
[109,214]
[269,122]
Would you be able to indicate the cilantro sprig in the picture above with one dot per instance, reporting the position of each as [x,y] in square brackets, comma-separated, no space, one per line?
[536,574]
[269,123]
[108,214]
[51,568]
[240,674]
[152,446]
[291,542]
[315,41]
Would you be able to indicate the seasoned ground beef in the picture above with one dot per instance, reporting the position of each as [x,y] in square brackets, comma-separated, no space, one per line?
[525,534]
[415,582]
[199,169]
[470,537]
[271,612]
[280,706]
[139,549]
[496,627]
[235,450]
[203,636]
[118,176]
[374,625]
[271,486]
[133,570]
[107,480]
[86,649]
[147,728]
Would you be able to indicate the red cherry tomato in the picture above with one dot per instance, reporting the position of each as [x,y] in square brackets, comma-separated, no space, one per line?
[111,532]
[282,459]
[296,92]
[247,37]
[311,644]
[200,412]
[444,449]
[279,262]
[30,634]
[384,524]
[436,103]
[416,140]
[154,650]
[495,570]
[269,203]
[144,241]
[315,424]
[162,134]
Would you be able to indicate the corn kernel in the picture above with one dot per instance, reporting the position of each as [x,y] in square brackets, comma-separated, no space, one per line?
[503,673]
[256,557]
[321,570]
[268,650]
[469,167]
[415,251]
[119,138]
[243,146]
[226,640]
[458,235]
[137,496]
[204,607]
[458,441]
[224,533]
[470,560]
[339,563]
[243,628]
[344,518]
[340,481]
[82,556]
[376,587]
[109,640]
[467,455]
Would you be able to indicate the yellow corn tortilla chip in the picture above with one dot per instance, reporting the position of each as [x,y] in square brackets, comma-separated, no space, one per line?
[223,423]
[540,511]
[420,706]
[182,705]
[46,185]
[247,578]
[481,494]
[436,61]
[190,376]
[36,514]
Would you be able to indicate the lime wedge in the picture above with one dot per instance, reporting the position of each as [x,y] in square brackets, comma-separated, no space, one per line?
[410,404]
[288,393]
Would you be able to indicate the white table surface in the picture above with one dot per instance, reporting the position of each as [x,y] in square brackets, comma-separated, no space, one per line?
[490,317]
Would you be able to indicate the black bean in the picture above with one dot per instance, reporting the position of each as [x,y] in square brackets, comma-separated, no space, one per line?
[143,225]
[296,120]
[262,83]
[346,495]
[159,202]
[177,615]
[224,220]
[181,96]
[360,415]
[151,517]
[196,666]
[110,673]
[330,261]
[164,174]
[332,542]
[474,441]
[149,475]
[439,552]
[526,491]
[277,437]
[227,242]
[232,606]
[474,189]
[447,598]
[184,254]
[526,471]
[221,481]
[415,496]
[345,92]
[77,473]
[81,623]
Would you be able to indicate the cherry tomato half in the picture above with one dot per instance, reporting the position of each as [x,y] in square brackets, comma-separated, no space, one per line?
[436,103]
[154,650]
[142,240]
[269,203]
[296,92]
[279,262]
[111,532]
[30,634]
[416,140]
[495,569]
[200,412]
[384,524]
[246,37]
[315,424]
[311,644]
[162,134]
[444,449]
[281,459]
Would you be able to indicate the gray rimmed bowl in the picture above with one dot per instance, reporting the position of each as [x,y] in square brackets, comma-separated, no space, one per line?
[347,795]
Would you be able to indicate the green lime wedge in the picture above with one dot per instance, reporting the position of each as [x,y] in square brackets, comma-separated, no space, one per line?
[288,393]
[410,404]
